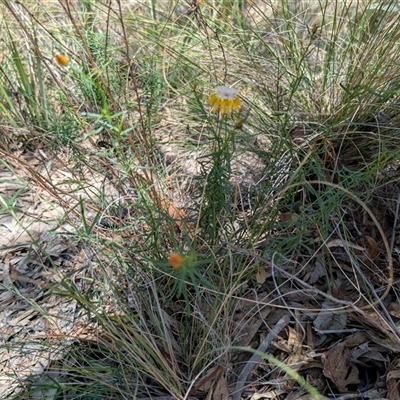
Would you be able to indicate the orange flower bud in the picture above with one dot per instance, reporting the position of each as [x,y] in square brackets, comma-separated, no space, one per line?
[239,123]
[175,260]
[62,60]
[314,29]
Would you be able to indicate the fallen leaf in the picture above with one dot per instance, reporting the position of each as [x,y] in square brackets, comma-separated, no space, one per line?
[356,339]
[394,309]
[270,394]
[344,243]
[393,380]
[314,272]
[372,246]
[261,275]
[328,320]
[176,213]
[207,383]
[339,369]
[297,134]
[248,327]
[220,391]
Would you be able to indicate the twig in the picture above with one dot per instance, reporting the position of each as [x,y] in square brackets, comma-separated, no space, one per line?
[255,359]
[350,396]
[160,398]
[396,217]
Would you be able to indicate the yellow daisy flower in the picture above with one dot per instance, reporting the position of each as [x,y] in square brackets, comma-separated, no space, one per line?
[225,100]
[62,60]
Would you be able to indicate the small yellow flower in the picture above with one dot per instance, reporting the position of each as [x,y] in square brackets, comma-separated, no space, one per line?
[62,60]
[175,260]
[225,100]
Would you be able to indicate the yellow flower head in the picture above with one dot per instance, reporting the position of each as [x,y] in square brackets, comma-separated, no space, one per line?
[176,260]
[225,100]
[62,60]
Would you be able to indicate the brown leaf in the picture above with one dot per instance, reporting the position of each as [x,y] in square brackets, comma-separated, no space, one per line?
[176,213]
[297,134]
[313,272]
[393,380]
[394,309]
[261,275]
[339,369]
[328,320]
[372,246]
[248,327]
[343,243]
[356,339]
[220,391]
[206,382]
[371,320]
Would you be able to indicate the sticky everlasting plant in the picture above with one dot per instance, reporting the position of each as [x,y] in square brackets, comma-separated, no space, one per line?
[225,102]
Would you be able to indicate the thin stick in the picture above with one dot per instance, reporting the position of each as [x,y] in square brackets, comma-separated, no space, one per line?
[396,217]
